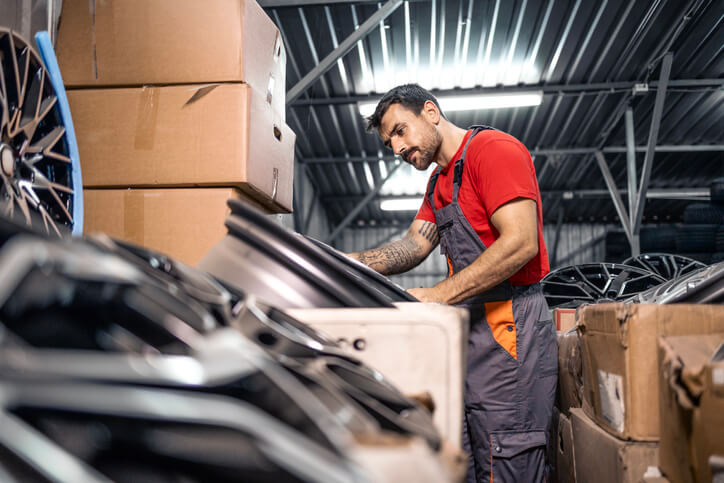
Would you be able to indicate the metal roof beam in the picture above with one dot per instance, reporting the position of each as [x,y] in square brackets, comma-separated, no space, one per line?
[566,89]
[312,3]
[696,193]
[651,145]
[663,148]
[347,44]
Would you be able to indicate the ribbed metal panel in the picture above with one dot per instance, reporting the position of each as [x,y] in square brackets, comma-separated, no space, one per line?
[447,44]
[578,243]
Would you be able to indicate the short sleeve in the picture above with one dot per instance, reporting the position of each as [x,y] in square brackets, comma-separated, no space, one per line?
[504,171]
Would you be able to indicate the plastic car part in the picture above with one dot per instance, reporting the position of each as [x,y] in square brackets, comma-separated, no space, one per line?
[313,356]
[72,296]
[227,365]
[59,296]
[192,282]
[384,284]
[36,170]
[704,286]
[596,282]
[664,264]
[149,434]
[260,257]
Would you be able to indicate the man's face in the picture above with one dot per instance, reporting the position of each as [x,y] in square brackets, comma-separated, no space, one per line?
[414,137]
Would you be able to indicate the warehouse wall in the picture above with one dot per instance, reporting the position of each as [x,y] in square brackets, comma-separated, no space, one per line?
[317,226]
[27,17]
[579,243]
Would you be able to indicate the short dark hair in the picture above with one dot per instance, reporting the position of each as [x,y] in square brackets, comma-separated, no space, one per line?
[410,96]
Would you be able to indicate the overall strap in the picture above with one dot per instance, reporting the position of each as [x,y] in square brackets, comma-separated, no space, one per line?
[431,187]
[458,173]
[458,169]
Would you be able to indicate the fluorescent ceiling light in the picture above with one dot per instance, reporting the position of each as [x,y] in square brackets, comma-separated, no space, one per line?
[472,102]
[401,204]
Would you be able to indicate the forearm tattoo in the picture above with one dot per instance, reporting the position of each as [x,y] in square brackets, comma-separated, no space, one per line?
[395,257]
[429,231]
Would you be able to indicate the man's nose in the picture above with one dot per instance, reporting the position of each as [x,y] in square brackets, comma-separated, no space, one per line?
[398,147]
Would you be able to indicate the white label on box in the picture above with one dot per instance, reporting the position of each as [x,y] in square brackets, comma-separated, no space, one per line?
[610,387]
[717,376]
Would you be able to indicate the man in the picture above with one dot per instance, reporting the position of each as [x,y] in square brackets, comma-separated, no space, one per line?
[483,207]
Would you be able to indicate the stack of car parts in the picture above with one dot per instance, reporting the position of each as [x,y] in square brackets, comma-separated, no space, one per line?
[125,364]
[287,270]
[353,303]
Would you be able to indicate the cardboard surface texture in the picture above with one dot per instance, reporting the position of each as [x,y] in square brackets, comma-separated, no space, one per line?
[692,406]
[140,42]
[214,135]
[565,319]
[419,347]
[570,372]
[565,451]
[601,457]
[182,223]
[620,360]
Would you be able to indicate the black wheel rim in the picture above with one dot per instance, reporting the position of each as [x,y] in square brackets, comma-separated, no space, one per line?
[666,265]
[35,167]
[596,282]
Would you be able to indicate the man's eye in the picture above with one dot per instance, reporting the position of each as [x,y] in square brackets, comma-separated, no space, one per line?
[400,131]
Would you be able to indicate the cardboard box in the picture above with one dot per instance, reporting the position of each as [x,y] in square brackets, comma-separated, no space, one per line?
[418,347]
[565,319]
[182,223]
[692,406]
[570,371]
[141,42]
[620,360]
[176,136]
[601,457]
[565,451]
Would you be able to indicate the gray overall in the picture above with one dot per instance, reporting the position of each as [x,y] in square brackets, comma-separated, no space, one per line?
[512,359]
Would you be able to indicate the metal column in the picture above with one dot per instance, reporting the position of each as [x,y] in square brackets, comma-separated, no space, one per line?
[651,145]
[631,174]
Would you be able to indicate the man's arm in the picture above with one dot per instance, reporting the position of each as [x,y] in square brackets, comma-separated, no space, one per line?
[517,223]
[404,254]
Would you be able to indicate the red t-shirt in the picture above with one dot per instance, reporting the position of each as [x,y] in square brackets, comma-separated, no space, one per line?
[498,169]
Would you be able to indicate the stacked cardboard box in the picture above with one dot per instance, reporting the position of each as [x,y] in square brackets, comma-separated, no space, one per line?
[628,422]
[692,406]
[169,94]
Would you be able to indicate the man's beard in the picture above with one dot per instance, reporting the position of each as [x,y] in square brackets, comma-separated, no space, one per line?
[427,150]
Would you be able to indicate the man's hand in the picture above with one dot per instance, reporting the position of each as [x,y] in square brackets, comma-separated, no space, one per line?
[426,294]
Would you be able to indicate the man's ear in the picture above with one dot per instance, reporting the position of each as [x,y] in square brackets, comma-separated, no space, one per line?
[431,112]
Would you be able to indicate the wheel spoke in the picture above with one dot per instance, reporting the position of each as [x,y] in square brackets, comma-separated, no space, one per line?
[44,144]
[561,287]
[51,188]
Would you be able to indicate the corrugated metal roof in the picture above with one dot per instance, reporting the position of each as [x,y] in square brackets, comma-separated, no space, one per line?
[585,55]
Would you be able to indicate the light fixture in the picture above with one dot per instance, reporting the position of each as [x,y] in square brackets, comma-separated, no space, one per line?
[472,102]
[401,204]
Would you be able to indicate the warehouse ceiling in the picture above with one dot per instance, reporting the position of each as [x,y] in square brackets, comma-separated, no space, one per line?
[591,60]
